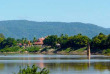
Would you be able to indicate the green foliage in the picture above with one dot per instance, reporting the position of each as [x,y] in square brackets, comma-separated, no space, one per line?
[99,42]
[10,49]
[25,40]
[68,49]
[108,41]
[34,39]
[51,40]
[1,39]
[63,40]
[19,41]
[2,36]
[9,42]
[33,70]
[106,51]
[78,41]
[33,49]
[45,49]
[22,41]
[22,50]
[81,49]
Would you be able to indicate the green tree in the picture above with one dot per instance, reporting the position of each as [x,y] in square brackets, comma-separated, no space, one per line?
[98,42]
[2,36]
[25,40]
[1,39]
[34,39]
[62,40]
[51,40]
[19,41]
[9,42]
[108,41]
[78,41]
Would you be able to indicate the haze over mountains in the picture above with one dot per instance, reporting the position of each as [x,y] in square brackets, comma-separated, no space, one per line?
[30,29]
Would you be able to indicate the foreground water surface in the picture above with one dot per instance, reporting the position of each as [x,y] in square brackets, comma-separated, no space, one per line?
[57,64]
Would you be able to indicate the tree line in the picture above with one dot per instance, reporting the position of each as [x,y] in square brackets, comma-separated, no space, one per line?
[97,43]
[10,42]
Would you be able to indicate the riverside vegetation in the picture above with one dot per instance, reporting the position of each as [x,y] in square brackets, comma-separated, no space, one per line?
[33,70]
[100,44]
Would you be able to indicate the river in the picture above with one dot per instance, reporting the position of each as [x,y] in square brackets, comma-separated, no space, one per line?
[57,64]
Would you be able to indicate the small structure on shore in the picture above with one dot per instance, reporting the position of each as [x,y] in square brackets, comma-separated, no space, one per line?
[88,50]
[20,44]
[29,43]
[39,41]
[58,45]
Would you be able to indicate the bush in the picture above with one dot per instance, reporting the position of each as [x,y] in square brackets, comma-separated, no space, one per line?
[22,50]
[81,49]
[33,70]
[68,49]
[106,51]
[33,49]
[44,49]
[11,49]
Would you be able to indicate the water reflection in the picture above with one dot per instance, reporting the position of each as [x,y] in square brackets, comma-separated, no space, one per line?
[1,66]
[41,64]
[78,65]
[89,58]
[101,66]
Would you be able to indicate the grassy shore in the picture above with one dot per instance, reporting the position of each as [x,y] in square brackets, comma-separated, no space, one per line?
[49,50]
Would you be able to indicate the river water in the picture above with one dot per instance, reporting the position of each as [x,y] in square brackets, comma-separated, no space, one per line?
[57,64]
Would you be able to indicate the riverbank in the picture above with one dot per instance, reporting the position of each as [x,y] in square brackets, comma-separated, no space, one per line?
[52,52]
[49,50]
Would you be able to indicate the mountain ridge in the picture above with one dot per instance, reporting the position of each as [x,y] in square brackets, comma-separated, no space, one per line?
[30,29]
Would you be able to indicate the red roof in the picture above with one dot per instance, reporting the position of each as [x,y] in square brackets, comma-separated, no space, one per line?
[41,39]
[39,42]
[20,44]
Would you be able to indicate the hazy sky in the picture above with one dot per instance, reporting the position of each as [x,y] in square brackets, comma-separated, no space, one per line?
[86,11]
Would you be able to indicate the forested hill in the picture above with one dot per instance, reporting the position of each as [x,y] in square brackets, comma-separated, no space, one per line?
[30,29]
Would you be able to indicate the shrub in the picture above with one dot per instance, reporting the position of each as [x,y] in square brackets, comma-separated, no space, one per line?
[33,70]
[11,49]
[45,49]
[81,49]
[68,49]
[33,49]
[106,51]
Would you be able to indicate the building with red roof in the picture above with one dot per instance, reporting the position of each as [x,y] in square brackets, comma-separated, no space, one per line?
[39,41]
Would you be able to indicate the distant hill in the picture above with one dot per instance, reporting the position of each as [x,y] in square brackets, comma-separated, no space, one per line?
[30,29]
[108,29]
